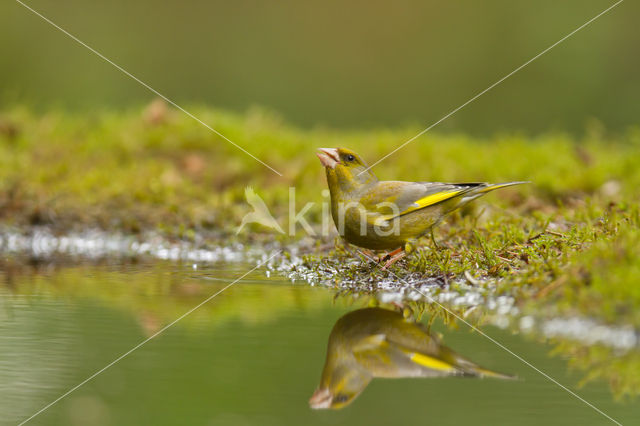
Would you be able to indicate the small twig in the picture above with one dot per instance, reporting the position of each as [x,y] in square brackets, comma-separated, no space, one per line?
[535,237]
[468,311]
[470,278]
[550,287]
[557,234]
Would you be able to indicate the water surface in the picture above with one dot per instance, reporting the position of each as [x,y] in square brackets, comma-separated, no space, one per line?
[252,355]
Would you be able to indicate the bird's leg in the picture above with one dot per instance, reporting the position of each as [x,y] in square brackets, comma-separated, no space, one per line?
[368,253]
[433,239]
[393,259]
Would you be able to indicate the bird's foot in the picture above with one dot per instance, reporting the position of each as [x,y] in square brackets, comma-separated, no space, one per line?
[386,257]
[368,254]
[393,259]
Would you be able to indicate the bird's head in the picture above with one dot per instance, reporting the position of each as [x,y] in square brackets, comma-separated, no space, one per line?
[345,168]
[339,388]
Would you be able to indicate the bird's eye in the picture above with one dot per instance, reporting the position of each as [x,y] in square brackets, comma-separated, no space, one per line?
[341,398]
[350,157]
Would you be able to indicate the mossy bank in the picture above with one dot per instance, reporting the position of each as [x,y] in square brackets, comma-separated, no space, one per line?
[567,242]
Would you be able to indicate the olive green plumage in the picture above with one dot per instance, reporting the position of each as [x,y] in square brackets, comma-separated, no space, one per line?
[375,342]
[387,215]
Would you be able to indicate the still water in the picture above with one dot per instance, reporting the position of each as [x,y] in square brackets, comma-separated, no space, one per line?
[252,355]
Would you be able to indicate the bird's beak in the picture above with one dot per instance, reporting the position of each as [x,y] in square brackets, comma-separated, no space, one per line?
[328,157]
[320,399]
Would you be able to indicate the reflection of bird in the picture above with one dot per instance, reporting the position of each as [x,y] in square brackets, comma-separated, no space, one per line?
[260,213]
[376,342]
[389,215]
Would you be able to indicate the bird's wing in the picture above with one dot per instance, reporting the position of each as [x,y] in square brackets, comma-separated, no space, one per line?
[386,345]
[394,198]
[386,358]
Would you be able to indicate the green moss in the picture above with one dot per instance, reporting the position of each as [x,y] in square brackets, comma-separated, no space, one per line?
[568,241]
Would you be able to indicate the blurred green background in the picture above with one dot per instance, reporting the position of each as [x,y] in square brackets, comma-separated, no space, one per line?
[340,64]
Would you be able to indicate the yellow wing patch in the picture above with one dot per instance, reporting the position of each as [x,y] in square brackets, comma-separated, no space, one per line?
[423,202]
[432,199]
[430,362]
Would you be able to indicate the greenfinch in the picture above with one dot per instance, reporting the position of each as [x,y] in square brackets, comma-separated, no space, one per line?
[389,215]
[375,342]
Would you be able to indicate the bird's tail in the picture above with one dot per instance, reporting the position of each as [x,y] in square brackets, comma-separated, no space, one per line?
[468,368]
[472,369]
[483,372]
[493,186]
[480,189]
